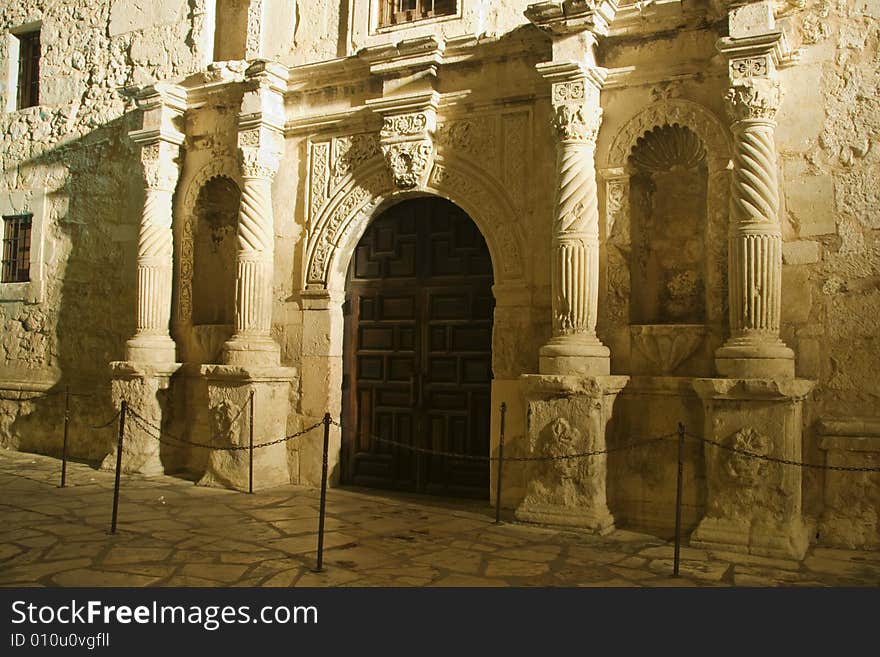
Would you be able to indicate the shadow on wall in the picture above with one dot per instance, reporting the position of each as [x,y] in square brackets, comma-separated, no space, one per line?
[88,307]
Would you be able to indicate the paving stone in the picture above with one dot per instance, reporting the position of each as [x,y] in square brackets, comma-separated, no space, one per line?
[668,552]
[130,554]
[92,577]
[215,571]
[755,560]
[497,567]
[857,556]
[867,572]
[712,571]
[459,561]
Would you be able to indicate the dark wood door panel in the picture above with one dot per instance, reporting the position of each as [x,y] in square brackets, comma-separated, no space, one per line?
[417,353]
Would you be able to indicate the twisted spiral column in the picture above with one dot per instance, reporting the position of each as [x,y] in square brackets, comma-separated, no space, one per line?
[252,343]
[755,241]
[574,347]
[151,341]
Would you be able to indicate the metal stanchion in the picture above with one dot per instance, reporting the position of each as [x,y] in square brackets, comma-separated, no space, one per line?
[251,447]
[320,566]
[500,466]
[678,499]
[64,444]
[122,412]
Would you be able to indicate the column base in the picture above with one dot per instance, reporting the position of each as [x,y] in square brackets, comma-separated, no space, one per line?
[787,540]
[145,388]
[567,415]
[564,516]
[229,390]
[575,355]
[244,350]
[145,348]
[747,358]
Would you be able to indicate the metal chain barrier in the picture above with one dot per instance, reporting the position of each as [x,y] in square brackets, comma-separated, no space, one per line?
[106,424]
[774,459]
[146,426]
[638,442]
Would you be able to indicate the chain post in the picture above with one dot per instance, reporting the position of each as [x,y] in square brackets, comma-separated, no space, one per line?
[678,500]
[320,566]
[66,434]
[500,466]
[251,446]
[122,412]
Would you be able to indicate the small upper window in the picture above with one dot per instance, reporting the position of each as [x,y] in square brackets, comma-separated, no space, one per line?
[397,12]
[17,248]
[28,72]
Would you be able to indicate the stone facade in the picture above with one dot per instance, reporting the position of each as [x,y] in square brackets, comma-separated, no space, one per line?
[677,198]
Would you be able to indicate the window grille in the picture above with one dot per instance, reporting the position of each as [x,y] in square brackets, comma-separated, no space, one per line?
[16,248]
[28,69]
[397,12]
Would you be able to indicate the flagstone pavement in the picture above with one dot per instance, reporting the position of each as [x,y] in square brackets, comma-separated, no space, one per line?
[173,533]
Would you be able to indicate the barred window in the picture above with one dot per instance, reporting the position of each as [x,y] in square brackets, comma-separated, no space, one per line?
[396,12]
[16,248]
[28,69]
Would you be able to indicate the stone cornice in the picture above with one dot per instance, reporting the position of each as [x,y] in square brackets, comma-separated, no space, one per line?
[568,71]
[571,16]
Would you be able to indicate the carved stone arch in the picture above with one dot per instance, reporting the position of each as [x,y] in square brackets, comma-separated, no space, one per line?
[615,233]
[686,113]
[346,215]
[220,167]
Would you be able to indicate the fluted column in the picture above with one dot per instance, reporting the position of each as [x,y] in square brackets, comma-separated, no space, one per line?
[754,349]
[574,347]
[151,342]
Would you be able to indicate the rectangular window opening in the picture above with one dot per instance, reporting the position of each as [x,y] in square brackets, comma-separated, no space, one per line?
[16,248]
[397,12]
[28,69]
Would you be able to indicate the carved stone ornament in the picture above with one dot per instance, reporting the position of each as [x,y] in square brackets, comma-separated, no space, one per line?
[749,67]
[408,161]
[404,125]
[258,162]
[742,469]
[159,164]
[755,98]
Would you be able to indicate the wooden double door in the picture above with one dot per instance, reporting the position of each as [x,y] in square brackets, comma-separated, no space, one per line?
[418,352]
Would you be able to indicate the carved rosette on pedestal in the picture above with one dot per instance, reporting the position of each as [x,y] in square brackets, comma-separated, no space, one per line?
[567,415]
[407,137]
[574,347]
[755,243]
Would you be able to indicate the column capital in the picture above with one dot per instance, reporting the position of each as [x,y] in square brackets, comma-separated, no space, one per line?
[754,100]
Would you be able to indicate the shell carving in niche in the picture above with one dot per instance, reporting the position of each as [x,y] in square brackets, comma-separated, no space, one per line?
[666,147]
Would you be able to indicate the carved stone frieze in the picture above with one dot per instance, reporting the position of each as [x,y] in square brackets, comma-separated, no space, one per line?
[405,125]
[749,67]
[351,152]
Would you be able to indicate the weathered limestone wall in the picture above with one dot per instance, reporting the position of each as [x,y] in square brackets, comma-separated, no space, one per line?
[828,131]
[70,156]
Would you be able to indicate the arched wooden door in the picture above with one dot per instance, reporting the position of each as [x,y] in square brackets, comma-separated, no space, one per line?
[418,352]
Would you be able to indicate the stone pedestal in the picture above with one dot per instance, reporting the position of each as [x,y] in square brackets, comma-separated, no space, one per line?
[229,389]
[851,517]
[753,505]
[568,414]
[146,389]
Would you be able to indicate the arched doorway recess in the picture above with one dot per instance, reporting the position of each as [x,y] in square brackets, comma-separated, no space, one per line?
[418,352]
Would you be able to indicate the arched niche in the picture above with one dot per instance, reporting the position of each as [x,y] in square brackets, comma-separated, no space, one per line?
[211,198]
[215,216]
[667,199]
[663,307]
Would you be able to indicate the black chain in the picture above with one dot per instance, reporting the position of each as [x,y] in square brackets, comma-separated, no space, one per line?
[146,426]
[774,459]
[107,423]
[474,457]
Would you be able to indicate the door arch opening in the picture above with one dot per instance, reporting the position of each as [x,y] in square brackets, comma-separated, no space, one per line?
[417,352]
